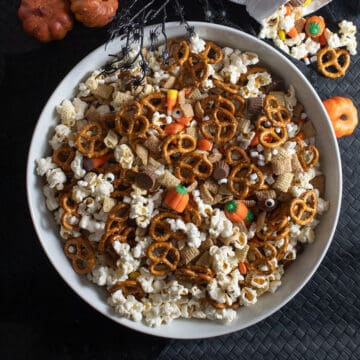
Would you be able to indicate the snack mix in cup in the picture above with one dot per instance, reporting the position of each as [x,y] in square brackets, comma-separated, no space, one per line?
[188,195]
[308,38]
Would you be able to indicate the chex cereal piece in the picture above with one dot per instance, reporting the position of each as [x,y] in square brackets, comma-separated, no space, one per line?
[193,131]
[152,143]
[280,96]
[283,182]
[204,259]
[169,84]
[295,164]
[195,94]
[318,182]
[143,153]
[263,195]
[168,180]
[205,245]
[187,254]
[281,165]
[308,130]
[187,110]
[244,125]
[249,203]
[260,221]
[181,97]
[104,91]
[241,254]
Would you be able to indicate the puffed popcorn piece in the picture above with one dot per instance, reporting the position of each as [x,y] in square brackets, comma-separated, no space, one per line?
[56,179]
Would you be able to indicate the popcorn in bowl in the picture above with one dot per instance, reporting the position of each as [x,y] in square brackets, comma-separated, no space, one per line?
[172,230]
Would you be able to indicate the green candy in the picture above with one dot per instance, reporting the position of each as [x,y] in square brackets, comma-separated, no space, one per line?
[314,28]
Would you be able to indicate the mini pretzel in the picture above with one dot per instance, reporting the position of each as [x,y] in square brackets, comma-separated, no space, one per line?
[194,274]
[279,115]
[270,136]
[333,63]
[227,87]
[239,103]
[239,181]
[194,72]
[308,156]
[304,208]
[192,214]
[81,254]
[122,184]
[124,235]
[128,287]
[235,154]
[118,215]
[164,258]
[193,166]
[277,228]
[132,128]
[212,102]
[70,212]
[90,140]
[160,229]
[212,53]
[251,70]
[130,110]
[221,128]
[154,102]
[221,306]
[261,258]
[63,157]
[178,53]
[177,144]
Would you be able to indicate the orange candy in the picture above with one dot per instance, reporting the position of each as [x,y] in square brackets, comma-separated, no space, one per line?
[204,144]
[174,128]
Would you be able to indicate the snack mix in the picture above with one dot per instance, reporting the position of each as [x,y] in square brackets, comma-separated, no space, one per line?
[188,195]
[310,40]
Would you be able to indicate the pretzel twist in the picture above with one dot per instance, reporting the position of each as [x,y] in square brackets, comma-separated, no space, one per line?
[90,140]
[164,258]
[193,166]
[240,183]
[333,63]
[128,287]
[81,254]
[221,128]
[176,145]
[304,208]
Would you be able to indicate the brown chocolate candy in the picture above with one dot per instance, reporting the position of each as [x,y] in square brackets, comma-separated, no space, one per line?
[296,3]
[299,25]
[221,170]
[255,105]
[145,179]
[88,164]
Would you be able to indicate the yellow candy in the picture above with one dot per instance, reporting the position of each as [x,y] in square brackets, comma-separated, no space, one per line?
[171,97]
[282,34]
[134,275]
[307,3]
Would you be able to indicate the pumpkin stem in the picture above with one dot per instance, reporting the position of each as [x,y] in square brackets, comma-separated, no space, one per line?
[249,216]
[344,117]
[314,28]
[181,189]
[231,206]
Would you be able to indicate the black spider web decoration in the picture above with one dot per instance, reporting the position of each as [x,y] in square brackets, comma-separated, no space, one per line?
[129,25]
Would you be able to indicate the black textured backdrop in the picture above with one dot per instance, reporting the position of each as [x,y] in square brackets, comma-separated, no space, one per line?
[41,318]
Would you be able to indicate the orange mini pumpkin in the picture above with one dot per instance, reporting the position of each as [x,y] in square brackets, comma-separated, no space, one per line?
[315,26]
[343,115]
[94,13]
[46,20]
[237,211]
[177,198]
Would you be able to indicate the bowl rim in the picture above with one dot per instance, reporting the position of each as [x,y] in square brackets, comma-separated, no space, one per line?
[222,330]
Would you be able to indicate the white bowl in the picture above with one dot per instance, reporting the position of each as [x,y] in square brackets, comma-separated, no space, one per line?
[296,276]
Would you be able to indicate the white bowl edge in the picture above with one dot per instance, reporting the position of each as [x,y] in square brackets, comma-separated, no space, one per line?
[293,280]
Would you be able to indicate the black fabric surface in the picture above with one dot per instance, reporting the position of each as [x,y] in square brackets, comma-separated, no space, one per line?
[40,317]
